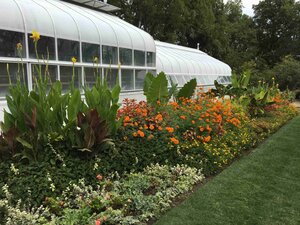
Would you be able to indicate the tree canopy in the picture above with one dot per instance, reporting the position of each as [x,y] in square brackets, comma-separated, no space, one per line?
[221,29]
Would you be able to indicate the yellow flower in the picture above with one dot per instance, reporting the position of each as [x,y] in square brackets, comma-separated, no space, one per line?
[19,46]
[74,60]
[35,36]
[96,59]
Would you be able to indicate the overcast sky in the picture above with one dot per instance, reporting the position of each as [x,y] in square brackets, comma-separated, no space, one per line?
[248,6]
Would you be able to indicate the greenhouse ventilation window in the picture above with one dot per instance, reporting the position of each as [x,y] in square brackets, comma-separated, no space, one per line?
[95,4]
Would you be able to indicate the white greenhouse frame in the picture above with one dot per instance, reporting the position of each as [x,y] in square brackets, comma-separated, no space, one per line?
[60,20]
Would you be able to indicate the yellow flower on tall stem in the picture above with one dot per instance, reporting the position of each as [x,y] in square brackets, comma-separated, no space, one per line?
[35,36]
[74,60]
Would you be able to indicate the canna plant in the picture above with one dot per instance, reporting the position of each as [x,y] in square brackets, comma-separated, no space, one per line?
[47,111]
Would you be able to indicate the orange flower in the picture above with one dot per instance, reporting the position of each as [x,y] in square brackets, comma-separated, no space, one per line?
[159,117]
[183,117]
[159,128]
[207,139]
[126,119]
[146,127]
[141,133]
[136,124]
[193,121]
[151,127]
[201,128]
[170,129]
[135,134]
[175,141]
[208,128]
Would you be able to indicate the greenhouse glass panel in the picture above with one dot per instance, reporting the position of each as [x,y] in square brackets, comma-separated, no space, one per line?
[127,80]
[45,48]
[14,75]
[67,50]
[174,80]
[139,79]
[111,76]
[139,58]
[66,73]
[153,72]
[9,41]
[180,80]
[126,56]
[90,53]
[109,55]
[151,59]
[91,75]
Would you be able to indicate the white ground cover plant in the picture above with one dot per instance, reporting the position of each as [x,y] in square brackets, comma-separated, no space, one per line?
[132,199]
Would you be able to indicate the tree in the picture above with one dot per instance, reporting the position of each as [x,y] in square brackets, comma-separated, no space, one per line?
[278,31]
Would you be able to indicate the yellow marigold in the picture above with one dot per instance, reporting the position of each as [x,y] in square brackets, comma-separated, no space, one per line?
[174,141]
[35,36]
[74,60]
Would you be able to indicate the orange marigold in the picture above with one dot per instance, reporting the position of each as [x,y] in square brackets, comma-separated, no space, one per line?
[207,139]
[141,133]
[183,117]
[159,117]
[170,129]
[175,141]
[126,119]
[135,134]
[151,127]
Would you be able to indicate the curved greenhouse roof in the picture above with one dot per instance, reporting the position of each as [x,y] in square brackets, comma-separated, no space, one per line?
[182,64]
[64,20]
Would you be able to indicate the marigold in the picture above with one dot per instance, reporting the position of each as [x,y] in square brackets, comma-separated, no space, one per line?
[159,117]
[170,129]
[126,119]
[151,127]
[183,117]
[207,139]
[175,141]
[135,134]
[201,128]
[141,133]
[159,128]
[193,121]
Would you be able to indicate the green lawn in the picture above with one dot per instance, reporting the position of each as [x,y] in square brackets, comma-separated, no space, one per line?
[261,188]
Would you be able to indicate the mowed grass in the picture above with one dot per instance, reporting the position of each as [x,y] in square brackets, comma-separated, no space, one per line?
[261,188]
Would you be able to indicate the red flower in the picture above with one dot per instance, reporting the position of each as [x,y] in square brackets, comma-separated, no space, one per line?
[98,222]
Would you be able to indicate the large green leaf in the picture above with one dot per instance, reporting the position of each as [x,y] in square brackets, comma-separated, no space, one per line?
[187,91]
[74,105]
[158,89]
[147,83]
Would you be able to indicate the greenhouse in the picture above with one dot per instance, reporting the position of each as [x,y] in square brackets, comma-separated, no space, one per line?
[182,64]
[96,39]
